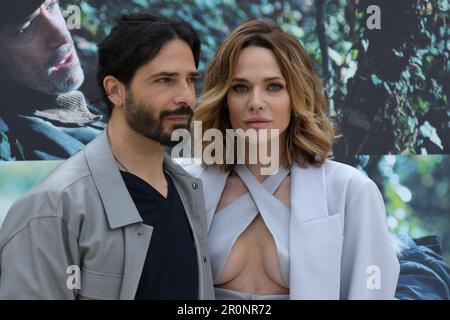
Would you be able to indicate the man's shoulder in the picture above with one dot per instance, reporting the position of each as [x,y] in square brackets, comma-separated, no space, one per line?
[68,182]
[68,173]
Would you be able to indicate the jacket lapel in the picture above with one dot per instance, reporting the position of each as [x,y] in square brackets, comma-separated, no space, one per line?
[315,237]
[119,206]
[120,211]
[214,181]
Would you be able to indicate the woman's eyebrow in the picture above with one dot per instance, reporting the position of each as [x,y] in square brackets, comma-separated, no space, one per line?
[239,79]
[273,78]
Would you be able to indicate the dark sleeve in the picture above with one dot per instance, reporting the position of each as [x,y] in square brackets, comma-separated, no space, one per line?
[424,274]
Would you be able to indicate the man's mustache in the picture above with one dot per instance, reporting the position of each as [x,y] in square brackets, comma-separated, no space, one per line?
[59,54]
[181,111]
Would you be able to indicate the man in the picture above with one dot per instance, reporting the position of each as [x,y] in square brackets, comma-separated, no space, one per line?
[120,211]
[41,114]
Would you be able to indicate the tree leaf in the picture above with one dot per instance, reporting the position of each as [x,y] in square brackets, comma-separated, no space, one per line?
[375,80]
[428,131]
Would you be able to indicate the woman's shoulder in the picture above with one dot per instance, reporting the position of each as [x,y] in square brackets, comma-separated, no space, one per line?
[340,175]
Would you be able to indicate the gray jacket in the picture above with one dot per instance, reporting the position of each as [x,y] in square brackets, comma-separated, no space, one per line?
[81,217]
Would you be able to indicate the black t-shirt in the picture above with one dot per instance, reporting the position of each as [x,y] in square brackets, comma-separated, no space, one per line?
[170,270]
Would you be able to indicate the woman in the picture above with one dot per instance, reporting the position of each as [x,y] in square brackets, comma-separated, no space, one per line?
[315,229]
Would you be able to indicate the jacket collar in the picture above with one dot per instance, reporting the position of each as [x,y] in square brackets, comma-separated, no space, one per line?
[119,206]
[213,181]
[308,193]
[65,109]
[68,109]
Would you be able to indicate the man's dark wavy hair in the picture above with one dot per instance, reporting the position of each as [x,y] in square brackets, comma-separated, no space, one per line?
[135,41]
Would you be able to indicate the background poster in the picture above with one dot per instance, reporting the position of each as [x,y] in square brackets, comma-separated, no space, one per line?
[388,90]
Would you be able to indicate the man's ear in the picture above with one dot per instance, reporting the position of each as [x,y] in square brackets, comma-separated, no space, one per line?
[115,90]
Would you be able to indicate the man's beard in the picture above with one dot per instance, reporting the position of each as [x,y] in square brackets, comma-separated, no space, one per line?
[150,125]
[70,80]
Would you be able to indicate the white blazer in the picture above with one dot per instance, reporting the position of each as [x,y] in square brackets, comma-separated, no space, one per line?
[340,247]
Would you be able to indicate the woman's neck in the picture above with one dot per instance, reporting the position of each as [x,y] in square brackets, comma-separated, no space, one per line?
[267,164]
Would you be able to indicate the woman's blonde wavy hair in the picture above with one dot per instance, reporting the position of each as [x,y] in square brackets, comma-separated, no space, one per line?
[310,133]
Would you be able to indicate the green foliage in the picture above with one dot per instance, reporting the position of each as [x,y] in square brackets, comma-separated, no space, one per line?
[419,98]
[415,190]
[17,177]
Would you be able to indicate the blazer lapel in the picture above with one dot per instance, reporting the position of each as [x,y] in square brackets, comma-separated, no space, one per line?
[315,237]
[213,181]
